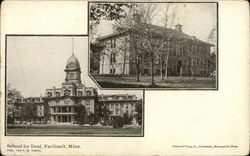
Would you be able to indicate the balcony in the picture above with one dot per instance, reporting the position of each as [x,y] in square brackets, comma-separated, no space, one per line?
[63,113]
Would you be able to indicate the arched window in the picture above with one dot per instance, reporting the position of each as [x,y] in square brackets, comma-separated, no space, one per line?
[80,93]
[66,92]
[49,94]
[71,75]
[88,93]
[57,94]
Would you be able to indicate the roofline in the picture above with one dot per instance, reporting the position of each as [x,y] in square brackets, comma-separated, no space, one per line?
[110,35]
[119,33]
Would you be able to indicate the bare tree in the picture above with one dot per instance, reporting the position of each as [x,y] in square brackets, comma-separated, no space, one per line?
[168,19]
[12,96]
[124,47]
[146,40]
[142,39]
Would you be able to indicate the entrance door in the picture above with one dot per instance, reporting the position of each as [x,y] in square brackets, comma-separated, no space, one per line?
[64,118]
[179,65]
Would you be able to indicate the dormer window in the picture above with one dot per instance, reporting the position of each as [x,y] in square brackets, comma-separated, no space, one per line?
[80,93]
[67,92]
[88,93]
[57,94]
[49,94]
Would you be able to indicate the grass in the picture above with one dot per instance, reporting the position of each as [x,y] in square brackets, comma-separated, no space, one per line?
[145,82]
[73,130]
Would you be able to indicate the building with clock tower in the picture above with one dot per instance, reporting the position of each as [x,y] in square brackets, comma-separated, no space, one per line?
[64,101]
[62,105]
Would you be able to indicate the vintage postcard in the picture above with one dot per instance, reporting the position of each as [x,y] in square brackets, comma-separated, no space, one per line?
[125,78]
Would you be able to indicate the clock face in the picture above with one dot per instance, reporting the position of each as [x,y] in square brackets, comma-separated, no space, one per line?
[66,101]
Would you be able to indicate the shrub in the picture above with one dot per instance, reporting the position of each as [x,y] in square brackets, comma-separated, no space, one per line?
[118,122]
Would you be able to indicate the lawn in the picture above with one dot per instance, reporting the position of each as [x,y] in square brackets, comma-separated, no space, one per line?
[73,130]
[145,82]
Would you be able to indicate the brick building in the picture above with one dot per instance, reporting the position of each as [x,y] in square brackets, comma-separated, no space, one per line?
[60,104]
[186,54]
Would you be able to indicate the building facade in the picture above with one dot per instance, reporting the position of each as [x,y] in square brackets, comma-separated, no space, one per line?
[118,105]
[186,55]
[35,105]
[61,105]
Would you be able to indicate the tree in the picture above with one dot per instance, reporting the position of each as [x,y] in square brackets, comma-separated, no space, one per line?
[99,12]
[108,11]
[105,115]
[46,113]
[146,39]
[12,96]
[168,19]
[105,11]
[127,119]
[212,38]
[124,48]
[118,122]
[138,110]
[133,28]
[93,118]
[96,52]
[81,114]
[29,113]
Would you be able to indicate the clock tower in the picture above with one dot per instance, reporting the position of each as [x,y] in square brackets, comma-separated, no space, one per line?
[73,71]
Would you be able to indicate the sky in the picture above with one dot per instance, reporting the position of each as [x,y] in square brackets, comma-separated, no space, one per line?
[37,63]
[198,19]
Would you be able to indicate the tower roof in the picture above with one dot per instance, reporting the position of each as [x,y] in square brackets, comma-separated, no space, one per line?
[73,61]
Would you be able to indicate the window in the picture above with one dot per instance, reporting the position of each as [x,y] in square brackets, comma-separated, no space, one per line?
[66,92]
[87,102]
[71,75]
[88,93]
[80,93]
[57,94]
[157,71]
[111,106]
[69,118]
[113,71]
[165,46]
[49,94]
[113,43]
[112,58]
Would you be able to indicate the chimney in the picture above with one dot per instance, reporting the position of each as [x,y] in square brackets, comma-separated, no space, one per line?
[137,17]
[178,27]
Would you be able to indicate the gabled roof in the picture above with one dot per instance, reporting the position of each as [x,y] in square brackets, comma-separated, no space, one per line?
[109,35]
[159,30]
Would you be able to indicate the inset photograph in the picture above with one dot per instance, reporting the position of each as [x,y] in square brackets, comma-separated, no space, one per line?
[49,92]
[153,45]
